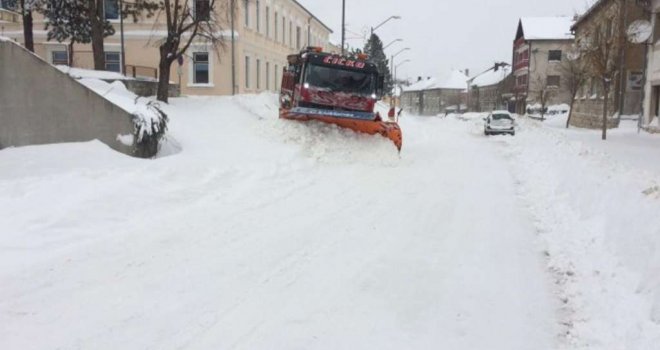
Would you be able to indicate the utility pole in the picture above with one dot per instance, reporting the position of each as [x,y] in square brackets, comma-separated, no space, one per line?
[622,58]
[121,35]
[343,26]
[233,55]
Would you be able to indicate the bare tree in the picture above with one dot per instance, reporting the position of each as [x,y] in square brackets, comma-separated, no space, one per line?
[543,92]
[601,53]
[575,74]
[187,22]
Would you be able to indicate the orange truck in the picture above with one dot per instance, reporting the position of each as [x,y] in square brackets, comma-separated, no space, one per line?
[337,90]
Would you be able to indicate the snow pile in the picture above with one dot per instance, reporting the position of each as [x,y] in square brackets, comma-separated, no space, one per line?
[4,38]
[599,219]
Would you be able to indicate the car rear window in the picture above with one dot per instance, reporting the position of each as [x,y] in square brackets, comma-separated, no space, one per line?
[501,116]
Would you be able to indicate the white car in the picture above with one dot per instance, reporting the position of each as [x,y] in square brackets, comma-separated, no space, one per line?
[499,122]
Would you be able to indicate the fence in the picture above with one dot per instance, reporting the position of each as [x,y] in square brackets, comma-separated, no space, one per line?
[141,71]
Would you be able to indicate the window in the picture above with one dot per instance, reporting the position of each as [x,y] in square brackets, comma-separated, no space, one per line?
[60,58]
[554,55]
[349,81]
[111,9]
[202,10]
[656,28]
[291,33]
[258,19]
[268,21]
[283,29]
[298,43]
[267,75]
[635,80]
[246,9]
[247,72]
[553,80]
[112,61]
[275,76]
[201,68]
[276,27]
[258,74]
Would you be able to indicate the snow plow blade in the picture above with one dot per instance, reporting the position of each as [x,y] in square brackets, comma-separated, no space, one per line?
[357,121]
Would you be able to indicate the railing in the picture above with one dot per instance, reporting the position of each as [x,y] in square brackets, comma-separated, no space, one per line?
[9,16]
[141,71]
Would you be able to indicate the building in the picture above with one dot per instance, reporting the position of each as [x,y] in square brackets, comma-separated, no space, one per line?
[604,20]
[652,87]
[433,96]
[265,32]
[490,91]
[539,49]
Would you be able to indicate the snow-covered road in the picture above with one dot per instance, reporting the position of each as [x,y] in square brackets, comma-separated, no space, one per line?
[269,234]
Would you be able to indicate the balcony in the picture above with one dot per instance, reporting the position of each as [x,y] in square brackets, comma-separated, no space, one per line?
[524,63]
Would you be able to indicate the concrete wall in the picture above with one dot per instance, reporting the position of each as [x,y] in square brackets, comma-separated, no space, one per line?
[41,105]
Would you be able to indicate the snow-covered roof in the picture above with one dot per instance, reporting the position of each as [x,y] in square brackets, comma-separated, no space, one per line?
[456,80]
[490,78]
[423,84]
[547,28]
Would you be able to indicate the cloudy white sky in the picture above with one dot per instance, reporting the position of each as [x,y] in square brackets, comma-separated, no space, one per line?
[442,34]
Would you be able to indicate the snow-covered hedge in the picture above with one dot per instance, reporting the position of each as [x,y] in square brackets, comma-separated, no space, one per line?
[149,120]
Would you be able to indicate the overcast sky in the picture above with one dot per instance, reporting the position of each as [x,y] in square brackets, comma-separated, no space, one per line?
[442,34]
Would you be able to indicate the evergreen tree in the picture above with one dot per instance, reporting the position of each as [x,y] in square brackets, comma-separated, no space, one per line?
[70,20]
[374,48]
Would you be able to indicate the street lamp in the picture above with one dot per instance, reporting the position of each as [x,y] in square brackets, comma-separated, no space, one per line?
[373,29]
[397,67]
[392,59]
[393,41]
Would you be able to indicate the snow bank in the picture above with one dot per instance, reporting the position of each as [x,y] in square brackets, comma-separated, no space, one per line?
[599,219]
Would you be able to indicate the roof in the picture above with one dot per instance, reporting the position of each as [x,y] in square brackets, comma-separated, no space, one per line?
[312,15]
[490,78]
[421,85]
[546,28]
[456,80]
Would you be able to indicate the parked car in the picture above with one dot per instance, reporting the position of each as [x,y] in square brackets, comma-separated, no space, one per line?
[499,122]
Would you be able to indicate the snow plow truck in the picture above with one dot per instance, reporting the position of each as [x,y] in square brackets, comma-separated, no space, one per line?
[337,90]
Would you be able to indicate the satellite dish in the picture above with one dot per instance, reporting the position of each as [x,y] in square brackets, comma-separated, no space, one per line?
[573,55]
[639,31]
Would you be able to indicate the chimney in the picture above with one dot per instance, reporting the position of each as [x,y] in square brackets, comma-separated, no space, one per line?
[428,78]
[467,72]
[419,78]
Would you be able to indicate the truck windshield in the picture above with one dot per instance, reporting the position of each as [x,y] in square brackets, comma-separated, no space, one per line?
[340,80]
